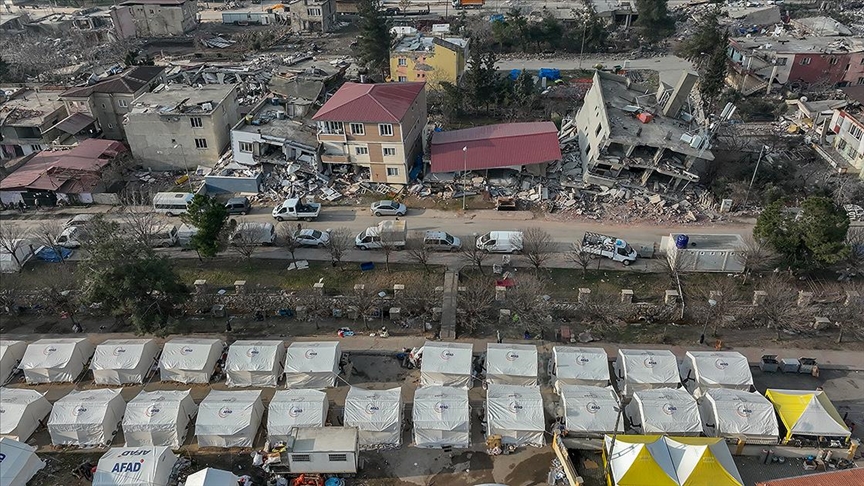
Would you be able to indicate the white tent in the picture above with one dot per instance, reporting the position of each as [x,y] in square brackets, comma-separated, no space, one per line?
[123,361]
[590,411]
[190,360]
[516,414]
[212,477]
[312,364]
[441,417]
[738,414]
[135,466]
[377,414]
[21,411]
[229,418]
[511,364]
[807,413]
[639,369]
[704,370]
[295,408]
[580,366]
[447,364]
[55,360]
[11,353]
[86,418]
[665,411]
[159,418]
[20,462]
[254,363]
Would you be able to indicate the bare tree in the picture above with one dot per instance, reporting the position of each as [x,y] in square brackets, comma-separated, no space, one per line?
[390,242]
[529,303]
[246,243]
[420,295]
[138,218]
[537,245]
[713,301]
[778,309]
[855,258]
[364,299]
[340,242]
[288,239]
[12,239]
[580,257]
[477,305]
[475,256]
[418,250]
[756,256]
[47,236]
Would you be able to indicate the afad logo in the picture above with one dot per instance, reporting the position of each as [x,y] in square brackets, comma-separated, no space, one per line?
[512,356]
[186,350]
[582,360]
[79,411]
[152,410]
[721,364]
[252,352]
[372,409]
[295,412]
[2,456]
[592,407]
[744,410]
[669,409]
[447,354]
[441,407]
[310,354]
[515,407]
[119,350]
[225,411]
[48,350]
[649,362]
[127,467]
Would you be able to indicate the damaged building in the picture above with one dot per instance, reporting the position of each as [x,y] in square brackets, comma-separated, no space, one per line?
[312,15]
[633,134]
[154,18]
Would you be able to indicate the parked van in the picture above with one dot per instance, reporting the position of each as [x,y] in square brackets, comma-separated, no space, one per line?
[79,220]
[185,234]
[164,237]
[71,237]
[500,242]
[238,205]
[260,233]
[441,241]
[172,203]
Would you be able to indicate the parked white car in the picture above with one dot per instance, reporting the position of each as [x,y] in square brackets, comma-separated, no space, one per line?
[311,237]
[388,208]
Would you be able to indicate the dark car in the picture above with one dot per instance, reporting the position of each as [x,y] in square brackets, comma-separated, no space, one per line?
[238,205]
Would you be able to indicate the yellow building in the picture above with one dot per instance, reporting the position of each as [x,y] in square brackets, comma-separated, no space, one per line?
[430,59]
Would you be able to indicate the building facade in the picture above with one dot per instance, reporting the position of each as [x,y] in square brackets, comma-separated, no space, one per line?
[154,18]
[181,127]
[110,100]
[28,120]
[849,138]
[432,60]
[312,15]
[376,126]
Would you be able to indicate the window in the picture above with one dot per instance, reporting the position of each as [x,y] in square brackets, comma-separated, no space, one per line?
[780,61]
[110,126]
[855,131]
[389,151]
[331,128]
[860,80]
[195,121]
[402,61]
[361,150]
[35,148]
[338,457]
[122,103]
[805,61]
[246,147]
[357,129]
[301,458]
[403,79]
[392,171]
[385,129]
[599,127]
[201,143]
[313,12]
[832,60]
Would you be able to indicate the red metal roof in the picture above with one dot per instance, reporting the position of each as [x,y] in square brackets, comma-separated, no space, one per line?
[848,477]
[78,168]
[494,146]
[384,102]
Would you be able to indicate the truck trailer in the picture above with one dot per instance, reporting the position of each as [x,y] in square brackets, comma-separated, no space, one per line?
[609,247]
[390,232]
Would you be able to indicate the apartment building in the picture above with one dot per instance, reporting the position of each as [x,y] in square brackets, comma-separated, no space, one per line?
[154,18]
[376,126]
[430,59]
[312,15]
[30,121]
[848,143]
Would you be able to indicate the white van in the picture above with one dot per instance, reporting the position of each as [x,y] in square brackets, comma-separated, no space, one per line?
[441,241]
[172,203]
[71,237]
[261,233]
[500,242]
[164,237]
[185,234]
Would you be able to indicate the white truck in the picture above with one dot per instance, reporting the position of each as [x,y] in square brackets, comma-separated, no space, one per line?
[293,209]
[391,233]
[610,247]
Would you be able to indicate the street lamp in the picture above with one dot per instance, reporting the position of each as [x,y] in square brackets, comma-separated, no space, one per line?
[464,174]
[752,179]
[712,303]
[185,164]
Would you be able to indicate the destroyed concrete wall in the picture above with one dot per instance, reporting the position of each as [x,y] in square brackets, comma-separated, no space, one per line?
[313,15]
[592,121]
[149,19]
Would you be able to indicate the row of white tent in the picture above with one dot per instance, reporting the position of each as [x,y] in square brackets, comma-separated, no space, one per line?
[183,360]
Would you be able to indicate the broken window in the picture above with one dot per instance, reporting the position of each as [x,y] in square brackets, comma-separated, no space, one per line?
[246,147]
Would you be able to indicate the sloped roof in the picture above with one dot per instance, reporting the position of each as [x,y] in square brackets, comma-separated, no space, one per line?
[849,477]
[48,171]
[355,102]
[491,146]
[129,82]
[74,123]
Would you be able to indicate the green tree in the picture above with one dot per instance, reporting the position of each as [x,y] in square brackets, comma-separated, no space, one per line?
[209,216]
[713,77]
[707,49]
[375,37]
[525,91]
[816,237]
[128,279]
[654,20]
[452,99]
[481,79]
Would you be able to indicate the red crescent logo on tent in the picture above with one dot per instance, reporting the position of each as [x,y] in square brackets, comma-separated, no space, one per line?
[592,407]
[446,355]
[512,356]
[721,364]
[119,350]
[669,409]
[310,354]
[48,350]
[649,362]
[186,350]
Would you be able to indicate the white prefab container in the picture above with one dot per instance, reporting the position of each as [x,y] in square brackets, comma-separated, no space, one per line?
[446,364]
[159,418]
[377,414]
[86,418]
[312,364]
[441,417]
[640,369]
[123,361]
[323,450]
[135,466]
[737,414]
[254,363]
[516,414]
[190,360]
[704,370]
[21,411]
[511,364]
[55,360]
[664,411]
[11,353]
[295,408]
[212,477]
[590,411]
[229,418]
[580,366]
[20,462]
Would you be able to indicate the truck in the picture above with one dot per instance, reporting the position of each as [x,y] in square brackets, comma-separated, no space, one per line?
[392,233]
[463,4]
[292,209]
[610,247]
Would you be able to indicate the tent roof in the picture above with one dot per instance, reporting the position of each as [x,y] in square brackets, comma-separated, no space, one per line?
[158,407]
[225,409]
[51,353]
[581,363]
[511,359]
[297,407]
[14,403]
[590,408]
[720,367]
[15,458]
[741,413]
[187,353]
[211,477]
[648,366]
[83,407]
[703,461]
[452,358]
[121,354]
[667,410]
[513,407]
[641,461]
[311,357]
[441,408]
[156,464]
[373,409]
[807,413]
[254,355]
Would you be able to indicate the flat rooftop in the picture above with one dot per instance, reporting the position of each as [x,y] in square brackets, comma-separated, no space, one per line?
[182,99]
[324,439]
[420,43]
[794,45]
[28,107]
[270,126]
[713,242]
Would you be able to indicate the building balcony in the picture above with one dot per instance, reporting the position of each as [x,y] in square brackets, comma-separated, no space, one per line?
[335,159]
[331,136]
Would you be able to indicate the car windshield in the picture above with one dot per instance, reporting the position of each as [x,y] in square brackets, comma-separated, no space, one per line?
[316,234]
[448,239]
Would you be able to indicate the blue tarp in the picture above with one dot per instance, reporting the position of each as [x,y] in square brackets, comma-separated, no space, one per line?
[47,254]
[550,73]
[496,18]
[514,73]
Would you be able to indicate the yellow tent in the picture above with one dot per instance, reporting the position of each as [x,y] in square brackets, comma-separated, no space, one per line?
[808,413]
[703,461]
